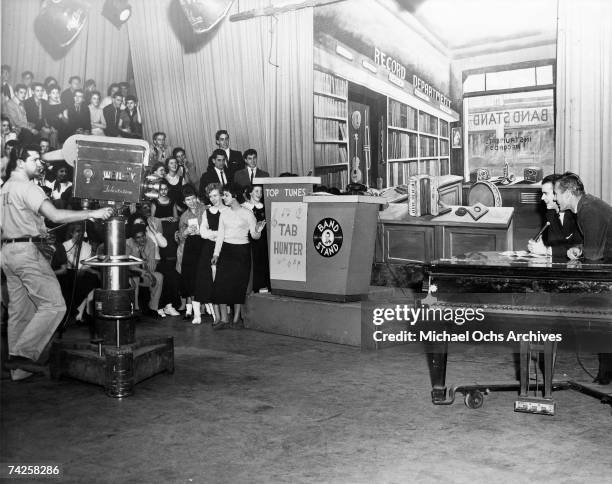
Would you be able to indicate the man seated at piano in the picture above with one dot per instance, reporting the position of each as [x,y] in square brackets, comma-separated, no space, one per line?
[594,217]
[562,231]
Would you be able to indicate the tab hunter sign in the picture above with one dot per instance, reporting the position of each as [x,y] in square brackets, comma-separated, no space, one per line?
[288,241]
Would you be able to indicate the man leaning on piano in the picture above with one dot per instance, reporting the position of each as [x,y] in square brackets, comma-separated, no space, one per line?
[580,226]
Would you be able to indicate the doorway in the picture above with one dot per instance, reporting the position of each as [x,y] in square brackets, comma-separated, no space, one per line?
[367,127]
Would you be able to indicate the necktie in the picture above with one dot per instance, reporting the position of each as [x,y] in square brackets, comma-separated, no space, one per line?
[252,175]
[223,178]
[116,117]
[77,108]
[6,90]
[39,104]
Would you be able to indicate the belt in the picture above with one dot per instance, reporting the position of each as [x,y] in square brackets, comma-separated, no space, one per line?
[22,239]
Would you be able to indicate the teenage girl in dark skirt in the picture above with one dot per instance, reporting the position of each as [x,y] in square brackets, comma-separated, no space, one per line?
[259,248]
[232,254]
[164,209]
[189,232]
[175,184]
[208,231]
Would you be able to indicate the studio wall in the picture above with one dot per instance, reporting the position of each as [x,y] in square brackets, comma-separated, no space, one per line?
[351,23]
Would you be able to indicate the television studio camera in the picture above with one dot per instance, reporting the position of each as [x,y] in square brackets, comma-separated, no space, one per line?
[112,172]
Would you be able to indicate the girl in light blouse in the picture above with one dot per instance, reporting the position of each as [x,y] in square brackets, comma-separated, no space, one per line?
[232,255]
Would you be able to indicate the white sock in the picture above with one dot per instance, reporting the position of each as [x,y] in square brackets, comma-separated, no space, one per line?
[188,310]
[196,309]
[80,310]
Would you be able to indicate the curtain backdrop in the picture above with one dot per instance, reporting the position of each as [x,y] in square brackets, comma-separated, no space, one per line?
[584,93]
[100,52]
[191,85]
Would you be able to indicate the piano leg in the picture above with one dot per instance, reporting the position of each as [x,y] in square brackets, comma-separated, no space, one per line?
[525,360]
[550,350]
[604,375]
[437,355]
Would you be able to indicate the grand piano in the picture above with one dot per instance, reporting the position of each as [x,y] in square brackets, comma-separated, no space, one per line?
[524,294]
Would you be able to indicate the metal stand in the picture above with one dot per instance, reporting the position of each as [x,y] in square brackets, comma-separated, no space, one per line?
[113,358]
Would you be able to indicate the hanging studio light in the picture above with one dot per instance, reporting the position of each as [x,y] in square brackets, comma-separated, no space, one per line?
[117,11]
[61,21]
[203,15]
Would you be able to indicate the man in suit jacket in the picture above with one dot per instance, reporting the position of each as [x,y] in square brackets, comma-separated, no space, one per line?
[112,115]
[215,174]
[16,113]
[36,108]
[562,232]
[234,158]
[130,124]
[67,96]
[78,114]
[594,218]
[245,176]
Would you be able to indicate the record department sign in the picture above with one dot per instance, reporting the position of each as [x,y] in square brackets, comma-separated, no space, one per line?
[327,237]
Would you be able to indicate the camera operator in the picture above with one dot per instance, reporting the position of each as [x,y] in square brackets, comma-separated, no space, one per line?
[36,306]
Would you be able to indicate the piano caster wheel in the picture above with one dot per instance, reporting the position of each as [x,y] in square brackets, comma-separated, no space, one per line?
[474,399]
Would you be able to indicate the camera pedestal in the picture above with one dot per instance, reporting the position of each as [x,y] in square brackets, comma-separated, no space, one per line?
[113,358]
[117,368]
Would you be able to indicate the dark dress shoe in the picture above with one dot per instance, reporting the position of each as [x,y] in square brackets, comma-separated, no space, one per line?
[603,379]
[149,313]
[221,325]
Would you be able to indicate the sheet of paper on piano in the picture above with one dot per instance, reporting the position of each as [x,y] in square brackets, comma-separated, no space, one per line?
[522,253]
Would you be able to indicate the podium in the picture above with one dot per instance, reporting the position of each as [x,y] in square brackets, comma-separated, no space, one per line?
[320,246]
[321,251]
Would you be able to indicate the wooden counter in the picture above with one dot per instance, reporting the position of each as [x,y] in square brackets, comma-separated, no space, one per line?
[404,239]
[528,209]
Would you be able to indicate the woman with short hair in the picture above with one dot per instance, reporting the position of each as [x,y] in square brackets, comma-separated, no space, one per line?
[189,236]
[98,123]
[232,255]
[175,183]
[259,248]
[208,231]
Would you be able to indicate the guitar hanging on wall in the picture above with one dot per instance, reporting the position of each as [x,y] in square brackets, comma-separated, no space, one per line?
[356,175]
[366,147]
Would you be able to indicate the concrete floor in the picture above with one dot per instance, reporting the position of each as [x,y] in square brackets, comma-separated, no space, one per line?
[244,406]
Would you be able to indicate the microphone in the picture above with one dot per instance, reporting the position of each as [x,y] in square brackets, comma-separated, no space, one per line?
[541,231]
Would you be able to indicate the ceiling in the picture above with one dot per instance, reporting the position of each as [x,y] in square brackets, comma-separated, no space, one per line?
[462,25]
